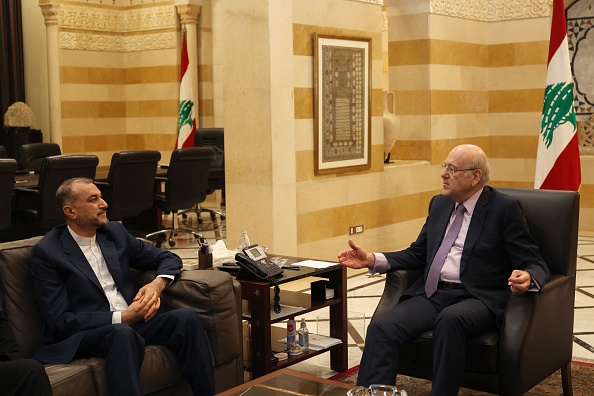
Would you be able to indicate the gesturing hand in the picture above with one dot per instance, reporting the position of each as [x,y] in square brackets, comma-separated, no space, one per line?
[355,257]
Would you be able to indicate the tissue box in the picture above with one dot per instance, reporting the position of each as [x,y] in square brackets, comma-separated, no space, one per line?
[322,290]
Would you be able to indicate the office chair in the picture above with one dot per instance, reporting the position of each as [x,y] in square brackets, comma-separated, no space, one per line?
[537,333]
[130,183]
[214,138]
[31,155]
[7,168]
[186,184]
[39,205]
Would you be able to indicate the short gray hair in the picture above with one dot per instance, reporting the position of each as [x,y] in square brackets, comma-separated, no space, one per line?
[64,195]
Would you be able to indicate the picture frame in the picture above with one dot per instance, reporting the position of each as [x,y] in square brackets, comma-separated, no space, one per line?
[342,103]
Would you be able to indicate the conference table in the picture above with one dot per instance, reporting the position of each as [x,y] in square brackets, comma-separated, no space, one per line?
[32,179]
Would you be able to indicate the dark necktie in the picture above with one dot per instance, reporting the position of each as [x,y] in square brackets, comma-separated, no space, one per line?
[442,252]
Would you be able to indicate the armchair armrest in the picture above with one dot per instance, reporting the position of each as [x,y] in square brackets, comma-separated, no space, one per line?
[537,325]
[216,298]
[396,284]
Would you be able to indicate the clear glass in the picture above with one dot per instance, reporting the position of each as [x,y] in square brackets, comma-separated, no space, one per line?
[376,390]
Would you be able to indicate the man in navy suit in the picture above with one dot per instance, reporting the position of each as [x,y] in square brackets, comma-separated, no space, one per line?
[490,255]
[90,305]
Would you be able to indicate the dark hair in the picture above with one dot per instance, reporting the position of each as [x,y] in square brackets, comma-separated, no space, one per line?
[64,194]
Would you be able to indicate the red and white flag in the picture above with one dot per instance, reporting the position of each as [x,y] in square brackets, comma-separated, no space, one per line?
[558,156]
[186,124]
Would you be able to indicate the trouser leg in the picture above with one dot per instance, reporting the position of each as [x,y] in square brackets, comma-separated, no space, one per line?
[453,326]
[24,377]
[385,336]
[123,350]
[181,331]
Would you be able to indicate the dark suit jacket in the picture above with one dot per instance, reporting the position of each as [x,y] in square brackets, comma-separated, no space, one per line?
[9,349]
[68,293]
[497,242]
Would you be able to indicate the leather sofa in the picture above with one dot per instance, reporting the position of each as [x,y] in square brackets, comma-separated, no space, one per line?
[214,295]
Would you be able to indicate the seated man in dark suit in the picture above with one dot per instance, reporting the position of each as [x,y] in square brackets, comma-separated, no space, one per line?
[23,377]
[91,307]
[475,249]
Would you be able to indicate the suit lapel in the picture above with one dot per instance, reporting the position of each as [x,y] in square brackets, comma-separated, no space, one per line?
[477,223]
[77,258]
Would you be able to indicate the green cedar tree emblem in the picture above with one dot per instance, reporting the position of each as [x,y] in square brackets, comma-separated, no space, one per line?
[185,113]
[558,109]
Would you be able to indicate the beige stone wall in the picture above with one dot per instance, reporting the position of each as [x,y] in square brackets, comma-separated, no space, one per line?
[119,77]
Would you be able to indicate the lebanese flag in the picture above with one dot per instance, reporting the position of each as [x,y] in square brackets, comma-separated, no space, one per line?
[558,156]
[186,124]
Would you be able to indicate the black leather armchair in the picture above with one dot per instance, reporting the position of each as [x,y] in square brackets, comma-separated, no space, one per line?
[185,186]
[537,334]
[130,183]
[31,155]
[7,169]
[39,205]
[215,139]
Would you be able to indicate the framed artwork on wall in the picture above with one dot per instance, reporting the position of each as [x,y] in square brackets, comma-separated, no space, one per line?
[342,96]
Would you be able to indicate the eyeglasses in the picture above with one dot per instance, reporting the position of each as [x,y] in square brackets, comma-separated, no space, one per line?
[452,171]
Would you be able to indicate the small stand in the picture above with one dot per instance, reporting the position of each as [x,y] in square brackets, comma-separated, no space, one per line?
[204,260]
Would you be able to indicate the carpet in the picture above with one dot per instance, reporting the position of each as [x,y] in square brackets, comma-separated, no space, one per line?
[581,374]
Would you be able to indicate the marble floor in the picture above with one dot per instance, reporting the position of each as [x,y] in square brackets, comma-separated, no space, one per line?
[364,292]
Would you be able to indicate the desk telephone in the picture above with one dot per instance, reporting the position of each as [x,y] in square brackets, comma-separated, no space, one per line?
[255,265]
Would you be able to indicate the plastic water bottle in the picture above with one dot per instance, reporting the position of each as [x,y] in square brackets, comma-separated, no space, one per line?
[304,336]
[244,241]
[291,333]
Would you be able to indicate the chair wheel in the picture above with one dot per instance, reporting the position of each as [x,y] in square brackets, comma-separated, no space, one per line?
[172,243]
[185,216]
[200,220]
[223,217]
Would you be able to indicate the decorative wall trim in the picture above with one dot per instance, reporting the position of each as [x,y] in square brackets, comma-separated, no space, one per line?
[116,29]
[492,10]
[117,43]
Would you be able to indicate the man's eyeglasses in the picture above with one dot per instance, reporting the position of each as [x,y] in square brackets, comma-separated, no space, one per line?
[452,171]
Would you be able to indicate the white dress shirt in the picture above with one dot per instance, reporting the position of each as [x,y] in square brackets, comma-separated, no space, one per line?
[92,251]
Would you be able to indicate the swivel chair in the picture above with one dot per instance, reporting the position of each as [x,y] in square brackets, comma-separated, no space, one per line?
[7,168]
[536,337]
[130,183]
[186,184]
[39,205]
[215,139]
[31,155]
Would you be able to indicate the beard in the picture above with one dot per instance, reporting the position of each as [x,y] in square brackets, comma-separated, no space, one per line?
[96,222]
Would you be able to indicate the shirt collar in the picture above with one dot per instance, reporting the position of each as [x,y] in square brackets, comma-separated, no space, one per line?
[470,203]
[81,240]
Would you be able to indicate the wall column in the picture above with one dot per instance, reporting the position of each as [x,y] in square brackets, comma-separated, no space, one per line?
[188,11]
[51,14]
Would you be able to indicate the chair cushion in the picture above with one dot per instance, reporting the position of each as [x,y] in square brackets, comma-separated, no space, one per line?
[482,353]
[70,379]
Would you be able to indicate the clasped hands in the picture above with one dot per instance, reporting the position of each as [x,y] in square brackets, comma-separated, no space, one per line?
[146,303]
[355,257]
